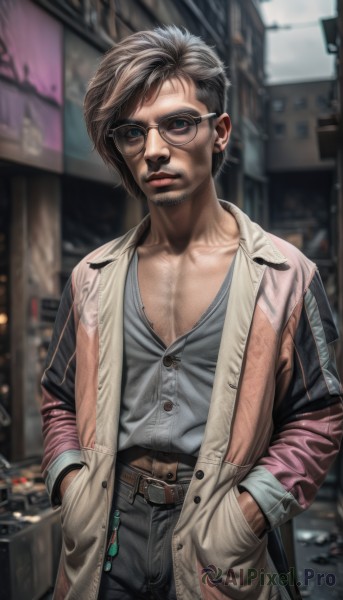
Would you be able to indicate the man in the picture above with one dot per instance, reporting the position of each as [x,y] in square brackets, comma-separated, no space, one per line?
[191,401]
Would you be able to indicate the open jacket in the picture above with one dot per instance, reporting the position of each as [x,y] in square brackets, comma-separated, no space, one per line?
[274,424]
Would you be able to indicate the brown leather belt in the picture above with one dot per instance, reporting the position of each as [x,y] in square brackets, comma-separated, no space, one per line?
[153,490]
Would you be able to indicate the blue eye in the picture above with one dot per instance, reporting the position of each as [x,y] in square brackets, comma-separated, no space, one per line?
[178,124]
[132,133]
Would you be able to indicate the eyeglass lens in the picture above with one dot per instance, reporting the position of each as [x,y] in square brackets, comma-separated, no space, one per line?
[177,130]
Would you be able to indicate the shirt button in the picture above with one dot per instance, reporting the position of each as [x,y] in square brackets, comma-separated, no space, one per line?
[168,406]
[179,547]
[104,484]
[199,474]
[170,475]
[168,360]
[197,499]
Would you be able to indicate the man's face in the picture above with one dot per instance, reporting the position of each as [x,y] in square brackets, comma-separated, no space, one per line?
[167,174]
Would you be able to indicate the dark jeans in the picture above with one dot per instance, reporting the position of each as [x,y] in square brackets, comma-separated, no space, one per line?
[142,569]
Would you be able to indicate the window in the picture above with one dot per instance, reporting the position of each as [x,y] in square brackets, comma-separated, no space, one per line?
[323,103]
[300,102]
[279,130]
[301,129]
[278,104]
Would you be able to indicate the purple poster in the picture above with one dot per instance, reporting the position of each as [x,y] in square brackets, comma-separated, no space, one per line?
[30,85]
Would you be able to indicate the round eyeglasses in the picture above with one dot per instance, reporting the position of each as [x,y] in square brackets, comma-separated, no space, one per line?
[177,130]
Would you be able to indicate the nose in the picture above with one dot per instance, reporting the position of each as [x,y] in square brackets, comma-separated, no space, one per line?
[156,148]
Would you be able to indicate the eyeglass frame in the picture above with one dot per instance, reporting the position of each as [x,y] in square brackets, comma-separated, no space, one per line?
[197,120]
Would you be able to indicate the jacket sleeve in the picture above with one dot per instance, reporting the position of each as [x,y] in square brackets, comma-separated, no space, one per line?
[61,445]
[308,416]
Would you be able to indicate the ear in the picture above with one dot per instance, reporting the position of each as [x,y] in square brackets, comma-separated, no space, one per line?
[222,133]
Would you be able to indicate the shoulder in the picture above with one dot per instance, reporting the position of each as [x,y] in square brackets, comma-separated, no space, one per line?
[297,263]
[284,286]
[89,267]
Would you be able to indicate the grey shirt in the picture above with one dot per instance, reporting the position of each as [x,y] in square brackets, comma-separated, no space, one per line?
[166,391]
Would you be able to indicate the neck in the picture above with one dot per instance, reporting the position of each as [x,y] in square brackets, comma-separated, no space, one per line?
[190,223]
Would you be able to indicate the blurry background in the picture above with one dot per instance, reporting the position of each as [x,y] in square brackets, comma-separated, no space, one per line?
[58,202]
[295,53]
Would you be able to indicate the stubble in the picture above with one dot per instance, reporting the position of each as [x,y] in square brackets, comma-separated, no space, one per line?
[167,200]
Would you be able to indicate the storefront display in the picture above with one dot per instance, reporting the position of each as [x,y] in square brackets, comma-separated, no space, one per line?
[30,534]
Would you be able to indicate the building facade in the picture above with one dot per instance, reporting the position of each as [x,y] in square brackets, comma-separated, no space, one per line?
[246,169]
[330,140]
[302,203]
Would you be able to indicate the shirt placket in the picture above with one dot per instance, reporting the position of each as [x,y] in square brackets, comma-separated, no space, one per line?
[168,395]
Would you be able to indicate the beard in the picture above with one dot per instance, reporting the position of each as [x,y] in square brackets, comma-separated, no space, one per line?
[167,200]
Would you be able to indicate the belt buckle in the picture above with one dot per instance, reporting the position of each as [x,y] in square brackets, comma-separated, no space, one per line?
[154,490]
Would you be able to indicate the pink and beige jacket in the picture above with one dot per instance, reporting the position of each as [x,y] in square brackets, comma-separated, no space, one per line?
[274,424]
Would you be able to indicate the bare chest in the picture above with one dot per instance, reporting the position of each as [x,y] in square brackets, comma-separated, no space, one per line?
[177,291]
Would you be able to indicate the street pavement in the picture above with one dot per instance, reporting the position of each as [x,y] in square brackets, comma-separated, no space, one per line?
[319,551]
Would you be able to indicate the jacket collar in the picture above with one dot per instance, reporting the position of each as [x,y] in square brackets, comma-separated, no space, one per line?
[253,240]
[119,246]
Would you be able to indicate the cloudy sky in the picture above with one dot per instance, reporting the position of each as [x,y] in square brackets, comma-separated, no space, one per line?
[299,52]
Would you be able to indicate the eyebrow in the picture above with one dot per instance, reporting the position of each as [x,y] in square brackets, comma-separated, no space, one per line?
[174,113]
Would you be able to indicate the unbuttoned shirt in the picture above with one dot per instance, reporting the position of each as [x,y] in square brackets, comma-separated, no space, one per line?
[166,391]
